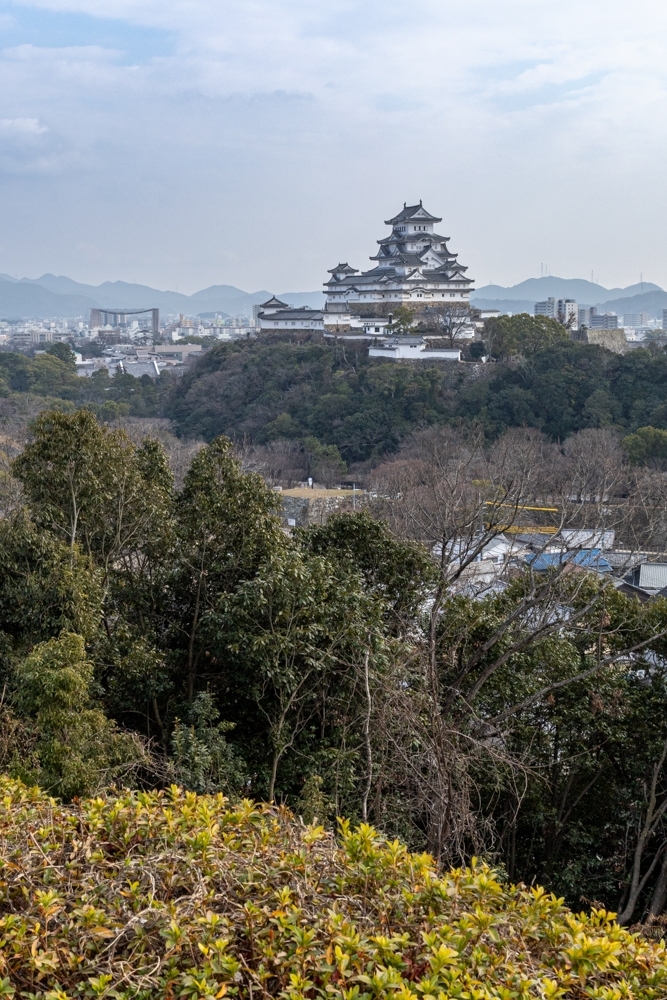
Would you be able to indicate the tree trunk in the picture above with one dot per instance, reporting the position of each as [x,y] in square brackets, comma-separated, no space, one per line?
[367,741]
[660,892]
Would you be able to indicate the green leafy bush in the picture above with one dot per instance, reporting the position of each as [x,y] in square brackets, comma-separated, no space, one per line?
[78,748]
[178,895]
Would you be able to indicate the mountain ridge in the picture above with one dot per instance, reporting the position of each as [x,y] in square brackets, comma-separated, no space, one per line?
[586,292]
[58,296]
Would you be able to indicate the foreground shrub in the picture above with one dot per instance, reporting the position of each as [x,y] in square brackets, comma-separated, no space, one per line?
[178,895]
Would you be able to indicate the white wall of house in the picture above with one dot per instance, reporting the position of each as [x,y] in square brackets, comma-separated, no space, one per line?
[411,352]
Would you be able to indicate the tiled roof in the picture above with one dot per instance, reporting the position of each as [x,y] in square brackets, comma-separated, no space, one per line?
[303,312]
[409,211]
[395,237]
[344,268]
[274,303]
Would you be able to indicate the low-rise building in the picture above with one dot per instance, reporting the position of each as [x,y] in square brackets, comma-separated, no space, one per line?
[130,360]
[411,349]
[177,352]
[649,577]
[286,318]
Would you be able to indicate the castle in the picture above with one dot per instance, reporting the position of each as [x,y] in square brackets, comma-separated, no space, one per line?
[413,268]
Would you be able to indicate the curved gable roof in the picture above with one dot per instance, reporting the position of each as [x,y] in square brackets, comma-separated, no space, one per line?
[412,212]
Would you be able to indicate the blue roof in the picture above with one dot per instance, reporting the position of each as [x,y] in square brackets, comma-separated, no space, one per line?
[586,558]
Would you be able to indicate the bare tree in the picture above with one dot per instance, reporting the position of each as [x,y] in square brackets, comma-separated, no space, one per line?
[447,320]
[459,496]
[656,805]
[281,462]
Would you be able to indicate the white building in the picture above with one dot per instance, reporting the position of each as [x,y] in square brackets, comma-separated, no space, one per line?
[568,313]
[547,308]
[414,267]
[635,320]
[411,349]
[277,315]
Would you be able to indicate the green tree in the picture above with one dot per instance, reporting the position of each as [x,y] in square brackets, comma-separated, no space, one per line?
[399,572]
[324,461]
[89,485]
[226,528]
[647,446]
[402,321]
[64,353]
[78,748]
[294,632]
[522,334]
[202,758]
[44,589]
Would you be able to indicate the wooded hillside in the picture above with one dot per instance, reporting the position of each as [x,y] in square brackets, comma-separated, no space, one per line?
[312,393]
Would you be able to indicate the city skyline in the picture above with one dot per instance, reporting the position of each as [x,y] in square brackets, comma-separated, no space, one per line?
[183,145]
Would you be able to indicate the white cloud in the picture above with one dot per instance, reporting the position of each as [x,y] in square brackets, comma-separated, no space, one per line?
[537,130]
[21,127]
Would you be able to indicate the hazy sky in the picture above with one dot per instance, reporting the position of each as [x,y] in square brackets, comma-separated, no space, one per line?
[184,143]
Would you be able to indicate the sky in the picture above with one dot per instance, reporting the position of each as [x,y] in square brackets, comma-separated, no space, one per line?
[185,143]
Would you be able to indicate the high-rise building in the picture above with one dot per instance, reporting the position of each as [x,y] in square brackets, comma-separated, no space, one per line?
[635,319]
[568,313]
[604,321]
[664,319]
[584,315]
[548,308]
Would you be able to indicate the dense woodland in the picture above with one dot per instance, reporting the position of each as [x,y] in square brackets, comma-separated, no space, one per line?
[310,394]
[153,634]
[267,391]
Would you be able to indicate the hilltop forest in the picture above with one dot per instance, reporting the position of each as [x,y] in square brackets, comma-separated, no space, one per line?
[153,632]
[328,395]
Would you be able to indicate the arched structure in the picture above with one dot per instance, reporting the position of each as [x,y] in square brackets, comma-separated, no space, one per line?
[118,317]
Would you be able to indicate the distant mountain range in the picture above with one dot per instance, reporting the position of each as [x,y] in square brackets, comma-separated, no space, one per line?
[645,297]
[58,297]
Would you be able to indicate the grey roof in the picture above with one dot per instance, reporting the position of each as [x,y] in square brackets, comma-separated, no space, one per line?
[649,576]
[409,211]
[139,368]
[303,312]
[378,274]
[453,280]
[626,559]
[384,254]
[343,267]
[403,237]
[274,303]
[631,591]
[410,259]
